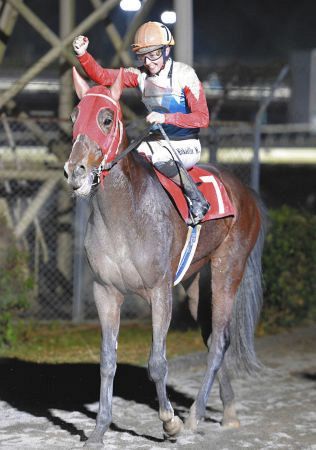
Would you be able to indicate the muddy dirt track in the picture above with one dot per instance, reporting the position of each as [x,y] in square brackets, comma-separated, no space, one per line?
[53,406]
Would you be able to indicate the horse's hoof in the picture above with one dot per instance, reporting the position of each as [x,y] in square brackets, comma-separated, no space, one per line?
[191,424]
[173,427]
[229,424]
[94,443]
[230,419]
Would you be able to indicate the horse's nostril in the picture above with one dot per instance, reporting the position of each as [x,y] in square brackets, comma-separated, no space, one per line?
[79,171]
[65,174]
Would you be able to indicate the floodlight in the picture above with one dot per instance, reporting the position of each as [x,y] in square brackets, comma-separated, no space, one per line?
[168,17]
[130,5]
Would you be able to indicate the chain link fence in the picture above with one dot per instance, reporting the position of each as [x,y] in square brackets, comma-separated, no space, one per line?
[49,224]
[38,208]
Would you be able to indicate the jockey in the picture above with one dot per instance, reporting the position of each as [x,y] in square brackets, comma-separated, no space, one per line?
[173,94]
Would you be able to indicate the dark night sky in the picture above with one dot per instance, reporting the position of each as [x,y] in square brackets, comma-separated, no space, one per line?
[254,30]
[226,31]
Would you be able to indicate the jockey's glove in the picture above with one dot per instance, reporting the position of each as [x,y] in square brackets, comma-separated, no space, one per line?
[155,117]
[80,45]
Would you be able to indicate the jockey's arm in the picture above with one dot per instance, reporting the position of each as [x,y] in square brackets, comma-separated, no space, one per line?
[198,117]
[103,76]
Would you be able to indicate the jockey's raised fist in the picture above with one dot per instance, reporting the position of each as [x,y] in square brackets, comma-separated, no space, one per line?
[80,45]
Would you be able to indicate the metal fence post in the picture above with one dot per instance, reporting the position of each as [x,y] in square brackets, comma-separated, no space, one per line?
[255,167]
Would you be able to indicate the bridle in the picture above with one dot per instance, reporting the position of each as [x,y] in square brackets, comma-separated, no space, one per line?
[105,167]
[108,143]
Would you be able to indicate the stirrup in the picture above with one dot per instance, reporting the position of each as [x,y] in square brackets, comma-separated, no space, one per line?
[197,216]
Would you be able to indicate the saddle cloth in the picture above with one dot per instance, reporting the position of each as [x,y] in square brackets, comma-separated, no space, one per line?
[211,187]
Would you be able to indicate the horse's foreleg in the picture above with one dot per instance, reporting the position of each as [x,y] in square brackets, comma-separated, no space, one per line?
[161,304]
[230,419]
[108,302]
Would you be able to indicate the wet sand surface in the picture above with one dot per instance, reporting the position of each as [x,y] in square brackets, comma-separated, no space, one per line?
[45,406]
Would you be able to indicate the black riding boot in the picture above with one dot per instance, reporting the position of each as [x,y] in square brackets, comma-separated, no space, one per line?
[197,204]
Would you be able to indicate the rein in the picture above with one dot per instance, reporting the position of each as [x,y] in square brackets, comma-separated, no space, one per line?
[108,166]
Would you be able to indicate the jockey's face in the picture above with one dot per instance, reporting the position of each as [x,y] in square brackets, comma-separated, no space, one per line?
[154,66]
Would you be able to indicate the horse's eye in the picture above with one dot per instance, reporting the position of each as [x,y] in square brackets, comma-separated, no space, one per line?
[107,121]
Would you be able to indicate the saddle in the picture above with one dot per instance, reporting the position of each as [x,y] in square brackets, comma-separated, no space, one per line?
[211,187]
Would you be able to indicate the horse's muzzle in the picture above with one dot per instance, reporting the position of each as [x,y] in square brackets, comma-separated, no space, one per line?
[85,155]
[76,175]
[79,172]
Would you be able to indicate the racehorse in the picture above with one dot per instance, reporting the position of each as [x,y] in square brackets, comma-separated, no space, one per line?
[133,242]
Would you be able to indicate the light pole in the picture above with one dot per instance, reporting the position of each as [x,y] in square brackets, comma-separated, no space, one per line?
[184,31]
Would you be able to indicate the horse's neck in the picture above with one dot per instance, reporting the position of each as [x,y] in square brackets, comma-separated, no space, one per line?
[128,192]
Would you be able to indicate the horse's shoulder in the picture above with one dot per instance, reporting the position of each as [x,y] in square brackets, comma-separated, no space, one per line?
[143,162]
[144,169]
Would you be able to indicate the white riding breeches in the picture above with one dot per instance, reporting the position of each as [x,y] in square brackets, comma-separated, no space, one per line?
[188,150]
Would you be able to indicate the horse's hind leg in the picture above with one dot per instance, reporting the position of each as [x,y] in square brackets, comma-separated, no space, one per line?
[202,314]
[224,288]
[161,305]
[108,302]
[230,419]
[191,287]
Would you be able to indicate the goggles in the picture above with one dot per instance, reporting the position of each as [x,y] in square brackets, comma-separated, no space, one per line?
[152,56]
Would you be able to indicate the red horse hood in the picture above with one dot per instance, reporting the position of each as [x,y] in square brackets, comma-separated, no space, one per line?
[92,102]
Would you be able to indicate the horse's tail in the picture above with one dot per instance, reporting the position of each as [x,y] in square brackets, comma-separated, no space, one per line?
[247,306]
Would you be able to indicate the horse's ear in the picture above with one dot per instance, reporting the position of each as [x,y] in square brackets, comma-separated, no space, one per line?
[81,86]
[117,87]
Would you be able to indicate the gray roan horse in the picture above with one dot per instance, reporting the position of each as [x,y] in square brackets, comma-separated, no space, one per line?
[133,242]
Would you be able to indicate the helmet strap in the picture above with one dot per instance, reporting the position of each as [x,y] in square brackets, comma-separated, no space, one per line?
[164,54]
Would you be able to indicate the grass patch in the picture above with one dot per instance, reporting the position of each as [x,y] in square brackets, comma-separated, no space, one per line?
[60,342]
